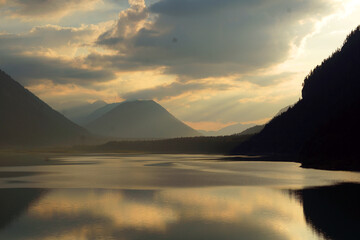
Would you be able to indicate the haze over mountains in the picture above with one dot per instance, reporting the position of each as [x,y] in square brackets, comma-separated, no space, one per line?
[229,130]
[137,120]
[79,114]
[26,120]
[241,129]
[83,116]
[86,113]
[252,130]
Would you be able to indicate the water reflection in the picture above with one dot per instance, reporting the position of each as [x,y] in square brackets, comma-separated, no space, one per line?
[175,197]
[198,213]
[13,202]
[333,211]
[163,171]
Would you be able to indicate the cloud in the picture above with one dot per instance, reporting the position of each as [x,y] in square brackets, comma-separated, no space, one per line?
[209,38]
[31,57]
[267,79]
[48,36]
[50,9]
[191,7]
[32,69]
[130,22]
[174,89]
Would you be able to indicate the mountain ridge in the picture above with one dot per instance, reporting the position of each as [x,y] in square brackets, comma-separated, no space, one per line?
[140,119]
[28,121]
[79,113]
[97,113]
[229,130]
[322,128]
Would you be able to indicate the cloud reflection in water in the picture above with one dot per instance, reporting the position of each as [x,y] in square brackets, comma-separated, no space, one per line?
[197,213]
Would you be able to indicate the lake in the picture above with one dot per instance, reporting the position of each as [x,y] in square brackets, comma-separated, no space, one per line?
[119,196]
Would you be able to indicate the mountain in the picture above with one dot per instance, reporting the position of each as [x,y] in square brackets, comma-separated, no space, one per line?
[322,129]
[252,130]
[25,120]
[229,130]
[140,119]
[80,113]
[97,113]
[283,110]
[240,129]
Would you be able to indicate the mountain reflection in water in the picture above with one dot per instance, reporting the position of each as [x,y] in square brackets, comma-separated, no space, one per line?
[235,209]
[333,211]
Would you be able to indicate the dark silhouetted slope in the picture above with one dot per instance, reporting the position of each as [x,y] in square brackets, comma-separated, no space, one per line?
[140,119]
[323,127]
[183,145]
[281,111]
[25,120]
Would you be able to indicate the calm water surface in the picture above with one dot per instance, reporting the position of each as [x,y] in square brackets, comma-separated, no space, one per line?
[176,197]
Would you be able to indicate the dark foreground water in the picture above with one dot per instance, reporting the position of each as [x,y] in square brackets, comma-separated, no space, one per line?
[176,197]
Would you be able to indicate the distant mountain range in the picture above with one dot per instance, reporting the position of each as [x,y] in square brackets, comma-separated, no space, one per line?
[252,130]
[99,112]
[25,120]
[80,113]
[241,129]
[229,130]
[85,114]
[141,119]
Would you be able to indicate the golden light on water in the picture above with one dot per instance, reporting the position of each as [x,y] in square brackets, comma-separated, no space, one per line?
[111,211]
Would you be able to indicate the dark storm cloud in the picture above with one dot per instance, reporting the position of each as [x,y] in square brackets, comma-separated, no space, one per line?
[172,90]
[206,38]
[190,7]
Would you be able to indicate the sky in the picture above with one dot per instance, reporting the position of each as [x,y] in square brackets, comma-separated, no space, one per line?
[210,63]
